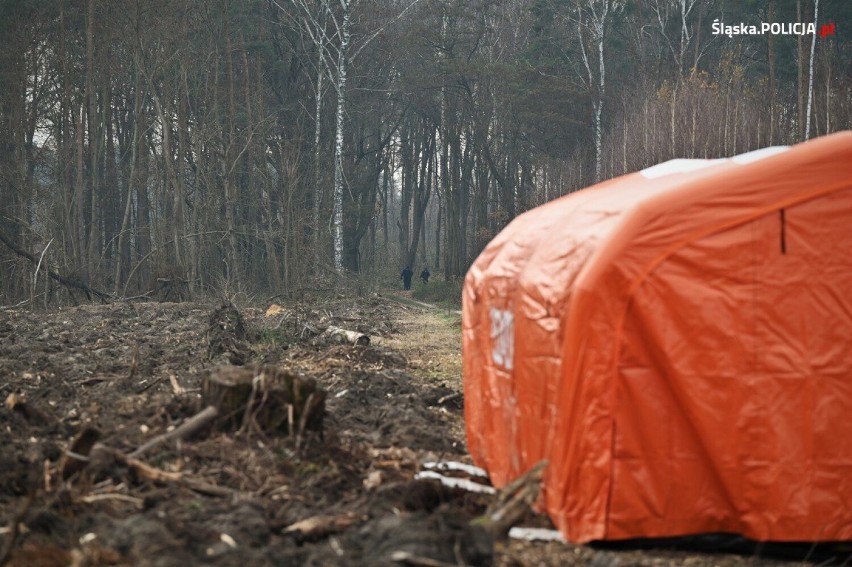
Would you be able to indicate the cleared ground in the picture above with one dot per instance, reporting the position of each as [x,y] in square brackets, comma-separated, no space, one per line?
[345,496]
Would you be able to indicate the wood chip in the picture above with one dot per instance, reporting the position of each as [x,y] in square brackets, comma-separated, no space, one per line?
[318,526]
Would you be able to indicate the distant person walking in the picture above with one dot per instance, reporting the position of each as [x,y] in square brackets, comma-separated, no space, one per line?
[424,275]
[407,273]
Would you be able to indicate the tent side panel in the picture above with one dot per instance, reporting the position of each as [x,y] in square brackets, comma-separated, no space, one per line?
[492,370]
[686,359]
[578,481]
[579,487]
[734,379]
[515,297]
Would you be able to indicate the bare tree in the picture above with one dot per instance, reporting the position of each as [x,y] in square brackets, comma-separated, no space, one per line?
[592,18]
[329,26]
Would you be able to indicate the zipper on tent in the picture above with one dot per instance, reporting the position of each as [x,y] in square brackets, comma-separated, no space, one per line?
[783,232]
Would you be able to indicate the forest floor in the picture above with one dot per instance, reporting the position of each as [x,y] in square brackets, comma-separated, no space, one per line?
[124,374]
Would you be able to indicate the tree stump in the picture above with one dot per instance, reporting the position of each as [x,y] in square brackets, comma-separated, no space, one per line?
[264,397]
[227,335]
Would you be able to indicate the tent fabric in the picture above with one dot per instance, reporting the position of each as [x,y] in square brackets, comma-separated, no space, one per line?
[677,343]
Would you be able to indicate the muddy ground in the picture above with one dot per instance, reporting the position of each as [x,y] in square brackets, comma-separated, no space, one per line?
[127,373]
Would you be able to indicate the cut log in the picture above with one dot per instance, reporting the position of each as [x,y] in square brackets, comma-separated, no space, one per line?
[337,336]
[266,397]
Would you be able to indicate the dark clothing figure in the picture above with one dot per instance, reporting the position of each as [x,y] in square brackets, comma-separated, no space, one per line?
[424,275]
[407,273]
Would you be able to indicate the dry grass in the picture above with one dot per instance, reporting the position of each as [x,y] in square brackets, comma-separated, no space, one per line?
[431,341]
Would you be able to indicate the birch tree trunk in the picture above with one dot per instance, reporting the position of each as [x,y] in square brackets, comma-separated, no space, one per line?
[317,150]
[338,138]
[599,102]
[800,72]
[770,46]
[593,15]
[811,75]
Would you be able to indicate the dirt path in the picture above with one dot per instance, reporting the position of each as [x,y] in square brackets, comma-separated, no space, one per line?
[430,339]
[430,336]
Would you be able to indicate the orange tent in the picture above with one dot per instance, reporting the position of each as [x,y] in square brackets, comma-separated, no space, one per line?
[677,343]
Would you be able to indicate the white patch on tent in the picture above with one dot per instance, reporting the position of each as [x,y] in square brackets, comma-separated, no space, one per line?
[503,337]
[677,166]
[687,165]
[756,155]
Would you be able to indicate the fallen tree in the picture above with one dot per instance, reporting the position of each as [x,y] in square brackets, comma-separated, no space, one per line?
[72,283]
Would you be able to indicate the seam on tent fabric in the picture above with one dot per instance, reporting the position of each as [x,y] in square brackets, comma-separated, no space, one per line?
[651,266]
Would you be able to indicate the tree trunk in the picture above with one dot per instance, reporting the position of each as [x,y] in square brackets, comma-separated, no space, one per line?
[111,188]
[122,262]
[440,207]
[811,75]
[770,56]
[422,189]
[800,72]
[94,140]
[598,110]
[342,62]
[79,196]
[317,192]
[66,149]
[177,168]
[233,269]
[386,174]
[407,154]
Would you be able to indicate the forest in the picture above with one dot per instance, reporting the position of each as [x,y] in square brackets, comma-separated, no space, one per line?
[208,146]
